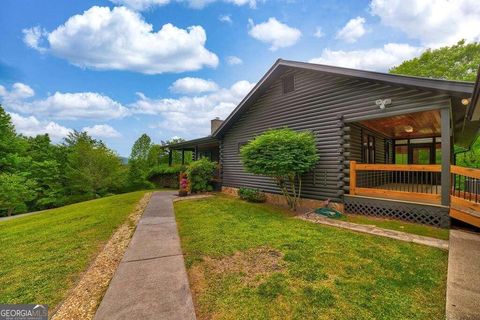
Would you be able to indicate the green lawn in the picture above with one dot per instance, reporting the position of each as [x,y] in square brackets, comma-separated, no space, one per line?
[42,255]
[254,261]
[420,229]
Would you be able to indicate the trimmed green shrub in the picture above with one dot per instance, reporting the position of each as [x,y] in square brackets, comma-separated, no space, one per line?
[251,195]
[285,155]
[200,174]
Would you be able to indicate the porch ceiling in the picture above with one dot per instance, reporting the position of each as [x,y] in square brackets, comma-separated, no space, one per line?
[421,124]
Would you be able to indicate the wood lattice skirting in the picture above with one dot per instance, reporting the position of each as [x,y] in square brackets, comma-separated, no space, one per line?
[408,211]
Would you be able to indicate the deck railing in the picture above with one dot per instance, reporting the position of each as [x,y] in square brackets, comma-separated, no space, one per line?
[465,187]
[421,183]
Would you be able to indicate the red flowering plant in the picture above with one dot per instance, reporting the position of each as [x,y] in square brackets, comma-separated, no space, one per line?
[183,185]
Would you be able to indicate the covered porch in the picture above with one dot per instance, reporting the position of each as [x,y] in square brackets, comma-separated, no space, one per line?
[407,162]
[191,150]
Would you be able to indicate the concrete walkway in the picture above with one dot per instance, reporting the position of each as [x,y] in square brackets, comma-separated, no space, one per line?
[151,281]
[463,280]
[370,229]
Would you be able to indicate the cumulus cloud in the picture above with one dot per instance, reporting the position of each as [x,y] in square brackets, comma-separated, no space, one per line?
[435,22]
[225,18]
[33,36]
[376,59]
[71,106]
[140,5]
[19,91]
[234,60]
[353,30]
[119,39]
[275,33]
[191,115]
[102,131]
[190,85]
[30,126]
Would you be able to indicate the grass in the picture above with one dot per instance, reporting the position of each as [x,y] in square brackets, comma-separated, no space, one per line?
[414,228]
[42,255]
[254,261]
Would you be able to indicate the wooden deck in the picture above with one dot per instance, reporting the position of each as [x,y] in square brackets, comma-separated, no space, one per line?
[421,184]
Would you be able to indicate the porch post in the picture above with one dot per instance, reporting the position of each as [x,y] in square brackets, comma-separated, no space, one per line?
[170,157]
[446,155]
[183,157]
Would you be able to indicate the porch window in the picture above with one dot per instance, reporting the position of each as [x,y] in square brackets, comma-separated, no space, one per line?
[401,154]
[368,148]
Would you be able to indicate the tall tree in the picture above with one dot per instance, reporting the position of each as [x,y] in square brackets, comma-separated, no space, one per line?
[11,145]
[138,163]
[92,169]
[15,192]
[457,62]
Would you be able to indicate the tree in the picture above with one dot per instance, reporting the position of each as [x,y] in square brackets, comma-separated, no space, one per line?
[11,145]
[92,169]
[457,62]
[138,163]
[15,192]
[283,154]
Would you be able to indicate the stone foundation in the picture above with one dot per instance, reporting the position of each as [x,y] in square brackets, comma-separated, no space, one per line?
[278,199]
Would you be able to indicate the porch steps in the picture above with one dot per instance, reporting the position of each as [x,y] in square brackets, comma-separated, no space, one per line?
[466,215]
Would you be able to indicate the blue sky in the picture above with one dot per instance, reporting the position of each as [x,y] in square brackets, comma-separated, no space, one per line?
[120,68]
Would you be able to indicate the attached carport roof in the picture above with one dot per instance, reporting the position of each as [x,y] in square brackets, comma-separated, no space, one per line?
[208,140]
[460,89]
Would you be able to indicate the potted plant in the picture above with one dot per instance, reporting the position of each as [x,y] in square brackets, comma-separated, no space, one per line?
[183,185]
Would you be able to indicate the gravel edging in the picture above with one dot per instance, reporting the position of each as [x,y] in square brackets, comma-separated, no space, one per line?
[83,300]
[393,234]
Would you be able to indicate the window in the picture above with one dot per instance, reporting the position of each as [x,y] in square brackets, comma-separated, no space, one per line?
[401,154]
[368,148]
[288,84]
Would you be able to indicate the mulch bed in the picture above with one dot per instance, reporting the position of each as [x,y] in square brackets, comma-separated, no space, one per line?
[83,300]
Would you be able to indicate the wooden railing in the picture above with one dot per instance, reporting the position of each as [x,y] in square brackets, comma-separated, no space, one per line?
[419,183]
[465,195]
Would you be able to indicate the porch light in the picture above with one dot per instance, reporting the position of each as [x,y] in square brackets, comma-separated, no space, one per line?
[465,101]
[408,129]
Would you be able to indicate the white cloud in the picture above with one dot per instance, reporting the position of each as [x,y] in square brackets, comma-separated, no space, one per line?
[33,36]
[19,91]
[119,39]
[190,85]
[71,106]
[353,30]
[225,18]
[318,32]
[191,115]
[376,59]
[102,131]
[234,60]
[31,126]
[434,22]
[275,33]
[141,5]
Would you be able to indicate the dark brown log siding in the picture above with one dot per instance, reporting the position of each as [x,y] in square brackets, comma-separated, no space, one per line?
[318,104]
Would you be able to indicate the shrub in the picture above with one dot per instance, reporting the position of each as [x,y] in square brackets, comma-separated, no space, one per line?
[251,195]
[199,174]
[284,155]
[164,176]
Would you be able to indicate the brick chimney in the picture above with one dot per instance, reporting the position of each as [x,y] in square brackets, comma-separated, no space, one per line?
[215,123]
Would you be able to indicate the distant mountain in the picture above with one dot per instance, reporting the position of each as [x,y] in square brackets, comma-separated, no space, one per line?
[124,160]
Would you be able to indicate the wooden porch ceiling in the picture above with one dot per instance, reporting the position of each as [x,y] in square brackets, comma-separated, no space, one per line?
[421,124]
